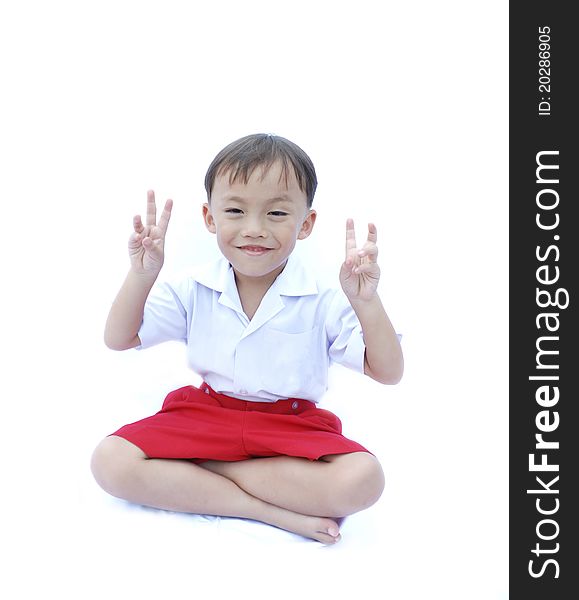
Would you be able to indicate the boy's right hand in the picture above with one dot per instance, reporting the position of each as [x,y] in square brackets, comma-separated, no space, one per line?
[147,242]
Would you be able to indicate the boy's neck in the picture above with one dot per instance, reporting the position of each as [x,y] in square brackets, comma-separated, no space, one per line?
[251,290]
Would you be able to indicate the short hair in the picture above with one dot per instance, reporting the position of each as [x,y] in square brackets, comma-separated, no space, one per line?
[244,155]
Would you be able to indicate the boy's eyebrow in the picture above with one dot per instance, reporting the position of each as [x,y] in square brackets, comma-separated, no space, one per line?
[282,198]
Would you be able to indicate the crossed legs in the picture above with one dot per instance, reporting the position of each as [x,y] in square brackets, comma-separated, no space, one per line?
[295,494]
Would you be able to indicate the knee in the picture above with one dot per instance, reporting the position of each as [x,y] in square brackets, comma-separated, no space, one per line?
[111,463]
[361,483]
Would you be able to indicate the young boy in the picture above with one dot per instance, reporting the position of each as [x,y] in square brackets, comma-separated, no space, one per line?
[261,332]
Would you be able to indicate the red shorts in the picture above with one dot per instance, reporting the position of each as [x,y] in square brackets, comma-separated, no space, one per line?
[199,424]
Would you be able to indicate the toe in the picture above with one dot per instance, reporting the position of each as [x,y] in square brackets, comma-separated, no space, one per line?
[328,540]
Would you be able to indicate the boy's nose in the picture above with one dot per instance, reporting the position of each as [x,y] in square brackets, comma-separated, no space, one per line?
[253,228]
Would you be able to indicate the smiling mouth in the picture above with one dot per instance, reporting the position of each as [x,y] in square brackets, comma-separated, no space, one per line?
[255,250]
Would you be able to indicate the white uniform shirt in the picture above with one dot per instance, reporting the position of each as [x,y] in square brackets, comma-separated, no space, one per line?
[284,351]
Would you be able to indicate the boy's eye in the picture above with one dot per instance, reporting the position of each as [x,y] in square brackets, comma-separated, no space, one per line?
[235,211]
[278,213]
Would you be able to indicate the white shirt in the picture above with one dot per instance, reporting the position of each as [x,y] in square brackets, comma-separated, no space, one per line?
[284,351]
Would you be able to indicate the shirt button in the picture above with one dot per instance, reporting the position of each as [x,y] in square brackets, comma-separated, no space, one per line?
[243,392]
[295,405]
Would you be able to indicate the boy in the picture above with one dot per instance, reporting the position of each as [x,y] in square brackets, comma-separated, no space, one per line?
[250,441]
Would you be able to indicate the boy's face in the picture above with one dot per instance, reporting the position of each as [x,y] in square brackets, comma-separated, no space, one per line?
[257,224]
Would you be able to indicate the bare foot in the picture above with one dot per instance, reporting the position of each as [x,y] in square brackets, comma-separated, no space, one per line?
[329,532]
[322,529]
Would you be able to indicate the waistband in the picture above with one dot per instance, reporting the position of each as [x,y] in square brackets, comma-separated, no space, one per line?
[289,406]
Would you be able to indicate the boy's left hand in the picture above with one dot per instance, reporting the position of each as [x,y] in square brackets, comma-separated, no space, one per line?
[360,272]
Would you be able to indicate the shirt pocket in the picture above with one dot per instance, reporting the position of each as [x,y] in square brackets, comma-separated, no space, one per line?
[290,362]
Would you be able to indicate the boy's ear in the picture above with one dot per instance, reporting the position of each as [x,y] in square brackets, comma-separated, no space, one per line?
[208,218]
[307,225]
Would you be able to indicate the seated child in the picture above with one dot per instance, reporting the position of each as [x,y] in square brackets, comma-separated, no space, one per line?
[261,332]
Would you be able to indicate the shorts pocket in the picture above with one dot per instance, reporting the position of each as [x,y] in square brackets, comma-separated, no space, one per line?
[326,420]
[187,395]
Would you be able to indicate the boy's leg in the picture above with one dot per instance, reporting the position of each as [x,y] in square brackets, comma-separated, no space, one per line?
[336,485]
[123,470]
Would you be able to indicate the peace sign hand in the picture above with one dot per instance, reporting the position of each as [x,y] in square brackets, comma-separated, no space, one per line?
[360,272]
[147,242]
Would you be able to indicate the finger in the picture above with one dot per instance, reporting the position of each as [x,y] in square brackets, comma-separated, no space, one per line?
[165,216]
[369,250]
[135,240]
[366,268]
[350,236]
[372,233]
[151,208]
[138,224]
[346,269]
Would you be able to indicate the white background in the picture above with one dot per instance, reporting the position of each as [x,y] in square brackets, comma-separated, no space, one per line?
[403,108]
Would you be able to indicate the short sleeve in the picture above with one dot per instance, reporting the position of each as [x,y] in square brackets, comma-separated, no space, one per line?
[165,317]
[344,334]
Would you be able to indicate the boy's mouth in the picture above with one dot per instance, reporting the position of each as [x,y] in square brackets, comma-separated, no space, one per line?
[254,250]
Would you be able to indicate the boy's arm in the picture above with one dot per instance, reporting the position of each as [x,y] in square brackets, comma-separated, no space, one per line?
[126,312]
[383,360]
[359,277]
[146,251]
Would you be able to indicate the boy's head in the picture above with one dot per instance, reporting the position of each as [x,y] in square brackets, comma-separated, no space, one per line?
[239,160]
[259,190]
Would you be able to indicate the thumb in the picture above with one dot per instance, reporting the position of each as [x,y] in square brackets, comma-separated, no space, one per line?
[153,248]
